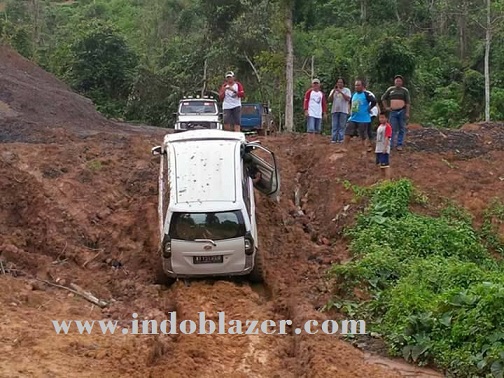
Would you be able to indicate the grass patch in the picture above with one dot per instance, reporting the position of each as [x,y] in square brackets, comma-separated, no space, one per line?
[94,165]
[492,221]
[437,294]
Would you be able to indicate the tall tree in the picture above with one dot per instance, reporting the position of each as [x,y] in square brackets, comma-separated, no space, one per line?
[289,66]
[488,39]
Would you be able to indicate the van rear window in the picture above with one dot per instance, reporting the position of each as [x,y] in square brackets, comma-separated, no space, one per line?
[215,226]
[249,110]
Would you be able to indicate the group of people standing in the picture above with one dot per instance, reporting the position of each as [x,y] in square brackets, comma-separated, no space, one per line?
[353,115]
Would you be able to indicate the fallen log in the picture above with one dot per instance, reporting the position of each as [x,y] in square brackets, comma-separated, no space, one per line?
[88,296]
[77,290]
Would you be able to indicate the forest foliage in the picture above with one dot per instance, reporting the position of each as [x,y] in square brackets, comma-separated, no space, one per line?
[136,58]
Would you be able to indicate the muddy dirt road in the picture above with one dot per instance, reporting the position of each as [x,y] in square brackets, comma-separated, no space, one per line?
[78,205]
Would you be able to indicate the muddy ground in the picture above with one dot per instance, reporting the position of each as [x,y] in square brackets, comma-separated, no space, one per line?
[78,205]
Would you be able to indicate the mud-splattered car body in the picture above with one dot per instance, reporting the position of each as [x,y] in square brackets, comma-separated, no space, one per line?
[207,217]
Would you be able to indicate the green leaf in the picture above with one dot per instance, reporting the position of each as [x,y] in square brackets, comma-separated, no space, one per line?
[417,351]
[446,319]
[482,364]
[406,352]
[497,369]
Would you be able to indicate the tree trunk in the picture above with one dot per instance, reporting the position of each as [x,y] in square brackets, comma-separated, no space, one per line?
[289,70]
[204,87]
[440,8]
[363,7]
[398,16]
[487,60]
[462,28]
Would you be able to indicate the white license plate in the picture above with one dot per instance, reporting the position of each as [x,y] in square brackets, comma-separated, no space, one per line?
[208,259]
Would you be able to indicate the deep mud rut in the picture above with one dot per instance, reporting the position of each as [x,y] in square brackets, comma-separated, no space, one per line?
[78,205]
[71,210]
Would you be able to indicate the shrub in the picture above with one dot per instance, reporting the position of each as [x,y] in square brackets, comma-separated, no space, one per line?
[436,293]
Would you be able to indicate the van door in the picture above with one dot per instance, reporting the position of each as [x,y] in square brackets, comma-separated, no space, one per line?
[265,161]
[208,243]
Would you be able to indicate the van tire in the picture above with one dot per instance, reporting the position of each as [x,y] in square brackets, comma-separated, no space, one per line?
[161,278]
[257,274]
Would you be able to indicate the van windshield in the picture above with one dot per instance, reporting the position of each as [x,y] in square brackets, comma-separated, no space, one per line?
[215,226]
[198,107]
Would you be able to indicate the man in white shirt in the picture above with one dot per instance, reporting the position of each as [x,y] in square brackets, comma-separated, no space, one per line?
[231,93]
[315,107]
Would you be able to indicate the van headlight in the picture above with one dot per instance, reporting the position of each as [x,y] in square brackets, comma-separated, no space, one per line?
[249,244]
[167,252]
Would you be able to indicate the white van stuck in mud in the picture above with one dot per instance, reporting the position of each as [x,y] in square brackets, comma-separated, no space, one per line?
[206,203]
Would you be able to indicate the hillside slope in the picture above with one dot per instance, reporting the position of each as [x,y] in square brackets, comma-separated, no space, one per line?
[78,204]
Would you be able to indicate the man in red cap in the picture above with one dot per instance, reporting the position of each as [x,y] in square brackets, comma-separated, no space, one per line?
[231,93]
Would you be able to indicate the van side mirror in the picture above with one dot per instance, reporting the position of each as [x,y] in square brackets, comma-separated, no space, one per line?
[157,151]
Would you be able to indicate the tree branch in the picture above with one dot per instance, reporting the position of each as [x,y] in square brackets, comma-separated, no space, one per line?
[78,291]
[253,68]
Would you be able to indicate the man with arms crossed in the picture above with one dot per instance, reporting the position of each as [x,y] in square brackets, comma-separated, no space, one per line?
[231,93]
[397,101]
[360,119]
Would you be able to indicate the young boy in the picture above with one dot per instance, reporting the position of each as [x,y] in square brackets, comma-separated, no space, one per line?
[383,136]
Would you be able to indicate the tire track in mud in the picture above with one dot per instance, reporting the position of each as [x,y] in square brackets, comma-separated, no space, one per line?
[259,355]
[223,355]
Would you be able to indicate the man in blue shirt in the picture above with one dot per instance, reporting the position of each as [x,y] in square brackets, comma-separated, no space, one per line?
[360,118]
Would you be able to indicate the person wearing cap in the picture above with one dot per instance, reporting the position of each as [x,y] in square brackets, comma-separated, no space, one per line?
[231,93]
[397,101]
[315,107]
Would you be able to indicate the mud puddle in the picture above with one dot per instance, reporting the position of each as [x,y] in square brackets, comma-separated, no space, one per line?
[401,367]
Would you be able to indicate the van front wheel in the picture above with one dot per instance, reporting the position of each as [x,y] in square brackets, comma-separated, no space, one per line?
[257,274]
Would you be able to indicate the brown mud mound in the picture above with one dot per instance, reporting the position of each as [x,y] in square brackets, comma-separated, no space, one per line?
[467,143]
[36,107]
[78,205]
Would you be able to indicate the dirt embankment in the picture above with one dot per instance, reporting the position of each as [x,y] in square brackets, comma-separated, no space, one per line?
[78,205]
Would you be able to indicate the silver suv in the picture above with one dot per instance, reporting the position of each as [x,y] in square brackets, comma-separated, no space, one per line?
[198,113]
[207,213]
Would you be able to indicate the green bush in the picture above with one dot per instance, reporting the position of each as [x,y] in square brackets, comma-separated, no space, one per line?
[497,104]
[446,113]
[436,293]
